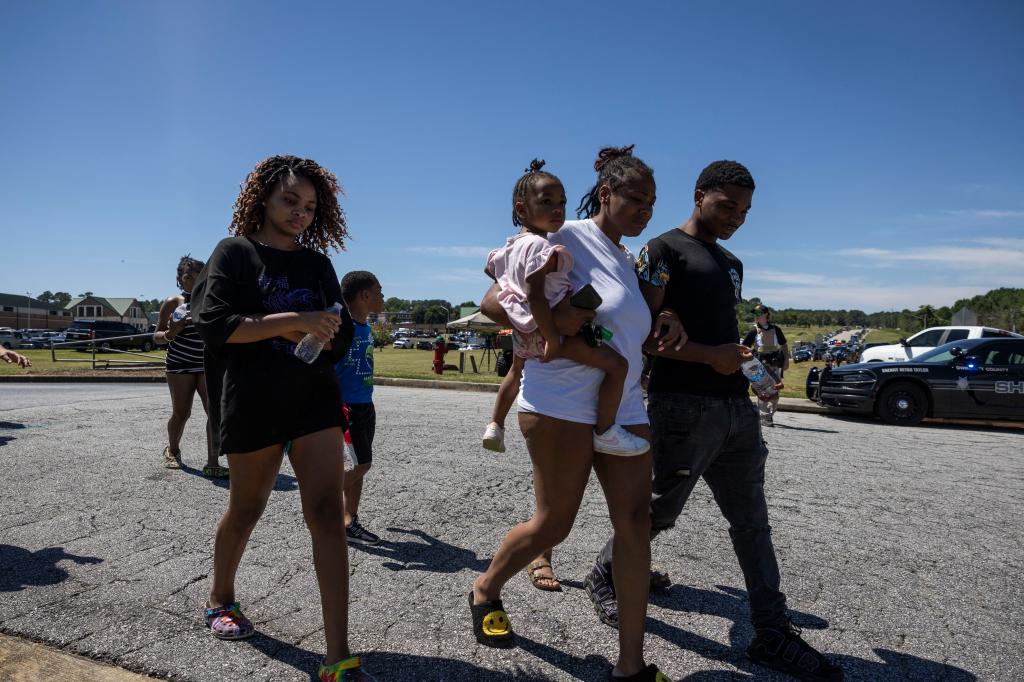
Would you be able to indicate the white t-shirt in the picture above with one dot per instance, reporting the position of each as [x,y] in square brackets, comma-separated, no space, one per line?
[567,390]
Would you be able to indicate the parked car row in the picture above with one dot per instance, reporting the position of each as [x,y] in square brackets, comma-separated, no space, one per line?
[107,334]
[29,338]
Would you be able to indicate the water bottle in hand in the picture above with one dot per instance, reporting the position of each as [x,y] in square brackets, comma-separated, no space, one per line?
[760,379]
[180,313]
[308,349]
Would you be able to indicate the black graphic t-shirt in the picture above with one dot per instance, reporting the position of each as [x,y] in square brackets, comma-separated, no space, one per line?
[260,393]
[703,283]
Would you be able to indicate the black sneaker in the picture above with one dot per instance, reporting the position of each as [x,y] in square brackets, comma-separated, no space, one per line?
[355,533]
[782,649]
[599,587]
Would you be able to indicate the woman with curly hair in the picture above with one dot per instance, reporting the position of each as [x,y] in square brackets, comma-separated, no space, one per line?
[185,372]
[263,290]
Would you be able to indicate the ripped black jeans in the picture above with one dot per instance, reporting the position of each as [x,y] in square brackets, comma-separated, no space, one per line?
[719,439]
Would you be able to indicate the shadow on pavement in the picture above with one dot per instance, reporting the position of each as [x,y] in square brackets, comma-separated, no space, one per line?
[427,553]
[284,482]
[23,568]
[386,665]
[4,440]
[731,603]
[799,428]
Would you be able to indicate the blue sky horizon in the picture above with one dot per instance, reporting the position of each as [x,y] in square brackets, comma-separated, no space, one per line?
[885,138]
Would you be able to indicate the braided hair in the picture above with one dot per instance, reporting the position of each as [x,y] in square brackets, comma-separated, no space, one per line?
[721,173]
[614,166]
[188,264]
[530,176]
[329,227]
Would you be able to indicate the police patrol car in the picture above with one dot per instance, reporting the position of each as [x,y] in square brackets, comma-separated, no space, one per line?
[972,378]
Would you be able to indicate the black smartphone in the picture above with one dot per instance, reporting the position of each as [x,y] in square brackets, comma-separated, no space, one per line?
[586,297]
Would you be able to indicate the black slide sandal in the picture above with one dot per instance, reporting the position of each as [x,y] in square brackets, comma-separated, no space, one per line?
[491,625]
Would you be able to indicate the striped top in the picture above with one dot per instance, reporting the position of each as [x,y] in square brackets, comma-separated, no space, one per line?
[185,351]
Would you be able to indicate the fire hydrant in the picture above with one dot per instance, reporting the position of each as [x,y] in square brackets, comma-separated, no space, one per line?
[440,348]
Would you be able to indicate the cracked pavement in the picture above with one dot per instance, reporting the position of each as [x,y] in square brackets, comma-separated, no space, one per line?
[900,549]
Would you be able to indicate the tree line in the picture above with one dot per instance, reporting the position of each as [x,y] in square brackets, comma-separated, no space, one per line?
[1002,308]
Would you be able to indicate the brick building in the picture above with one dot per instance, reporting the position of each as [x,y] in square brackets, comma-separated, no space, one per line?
[23,312]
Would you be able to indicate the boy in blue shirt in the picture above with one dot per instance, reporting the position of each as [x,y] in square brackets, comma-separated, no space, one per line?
[363,295]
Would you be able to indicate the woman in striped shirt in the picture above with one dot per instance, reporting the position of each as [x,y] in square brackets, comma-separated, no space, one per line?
[185,373]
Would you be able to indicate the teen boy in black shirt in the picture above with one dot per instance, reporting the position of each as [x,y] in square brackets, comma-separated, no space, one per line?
[703,422]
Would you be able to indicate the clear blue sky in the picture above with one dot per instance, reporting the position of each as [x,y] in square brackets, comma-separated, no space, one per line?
[885,138]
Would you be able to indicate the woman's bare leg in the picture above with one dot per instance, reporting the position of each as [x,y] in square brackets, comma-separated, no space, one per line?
[320,470]
[562,453]
[183,390]
[615,368]
[507,392]
[627,488]
[252,479]
[212,458]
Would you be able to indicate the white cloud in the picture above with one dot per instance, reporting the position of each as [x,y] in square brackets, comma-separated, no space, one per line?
[480,252]
[983,213]
[779,277]
[869,298]
[993,255]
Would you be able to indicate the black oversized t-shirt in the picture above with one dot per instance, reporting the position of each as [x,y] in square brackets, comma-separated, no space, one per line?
[260,393]
[703,283]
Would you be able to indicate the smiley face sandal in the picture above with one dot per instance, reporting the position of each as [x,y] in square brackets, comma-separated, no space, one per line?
[491,625]
[648,674]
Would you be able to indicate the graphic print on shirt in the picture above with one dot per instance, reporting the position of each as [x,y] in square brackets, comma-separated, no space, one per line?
[359,360]
[654,274]
[278,297]
[737,284]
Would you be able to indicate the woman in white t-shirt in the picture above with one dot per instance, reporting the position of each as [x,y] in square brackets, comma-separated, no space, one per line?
[558,409]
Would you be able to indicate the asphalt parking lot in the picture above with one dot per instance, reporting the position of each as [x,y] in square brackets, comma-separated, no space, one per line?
[901,550]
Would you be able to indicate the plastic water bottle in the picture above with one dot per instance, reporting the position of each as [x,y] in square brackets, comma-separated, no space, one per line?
[760,379]
[308,349]
[180,313]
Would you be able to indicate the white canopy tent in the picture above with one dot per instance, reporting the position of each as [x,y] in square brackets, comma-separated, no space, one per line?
[475,322]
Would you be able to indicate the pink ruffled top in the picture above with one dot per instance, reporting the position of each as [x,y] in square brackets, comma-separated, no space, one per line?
[522,255]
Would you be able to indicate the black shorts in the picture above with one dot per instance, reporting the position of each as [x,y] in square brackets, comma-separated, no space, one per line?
[362,422]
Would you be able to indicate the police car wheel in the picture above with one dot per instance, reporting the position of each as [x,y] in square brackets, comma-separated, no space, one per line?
[902,404]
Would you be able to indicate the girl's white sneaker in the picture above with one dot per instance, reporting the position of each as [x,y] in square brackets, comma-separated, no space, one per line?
[494,438]
[619,441]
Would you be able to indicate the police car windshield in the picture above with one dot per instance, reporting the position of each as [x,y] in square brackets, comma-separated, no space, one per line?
[944,353]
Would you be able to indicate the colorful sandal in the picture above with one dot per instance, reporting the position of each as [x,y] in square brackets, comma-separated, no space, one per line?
[217,471]
[171,460]
[228,622]
[491,625]
[348,670]
[648,674]
[533,572]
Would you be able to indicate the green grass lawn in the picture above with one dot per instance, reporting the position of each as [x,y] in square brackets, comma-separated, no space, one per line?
[408,363]
[69,361]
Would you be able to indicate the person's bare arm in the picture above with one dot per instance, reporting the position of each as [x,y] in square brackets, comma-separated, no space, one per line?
[540,308]
[568,318]
[320,323]
[667,330]
[9,356]
[725,358]
[166,328]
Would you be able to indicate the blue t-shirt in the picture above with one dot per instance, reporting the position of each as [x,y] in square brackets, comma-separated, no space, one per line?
[355,370]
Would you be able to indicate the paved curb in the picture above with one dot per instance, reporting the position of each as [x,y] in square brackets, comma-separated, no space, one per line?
[25,661]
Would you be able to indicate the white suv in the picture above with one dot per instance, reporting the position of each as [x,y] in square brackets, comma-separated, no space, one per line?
[924,341]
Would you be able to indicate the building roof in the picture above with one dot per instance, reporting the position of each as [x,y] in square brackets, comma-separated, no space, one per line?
[22,301]
[119,305]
